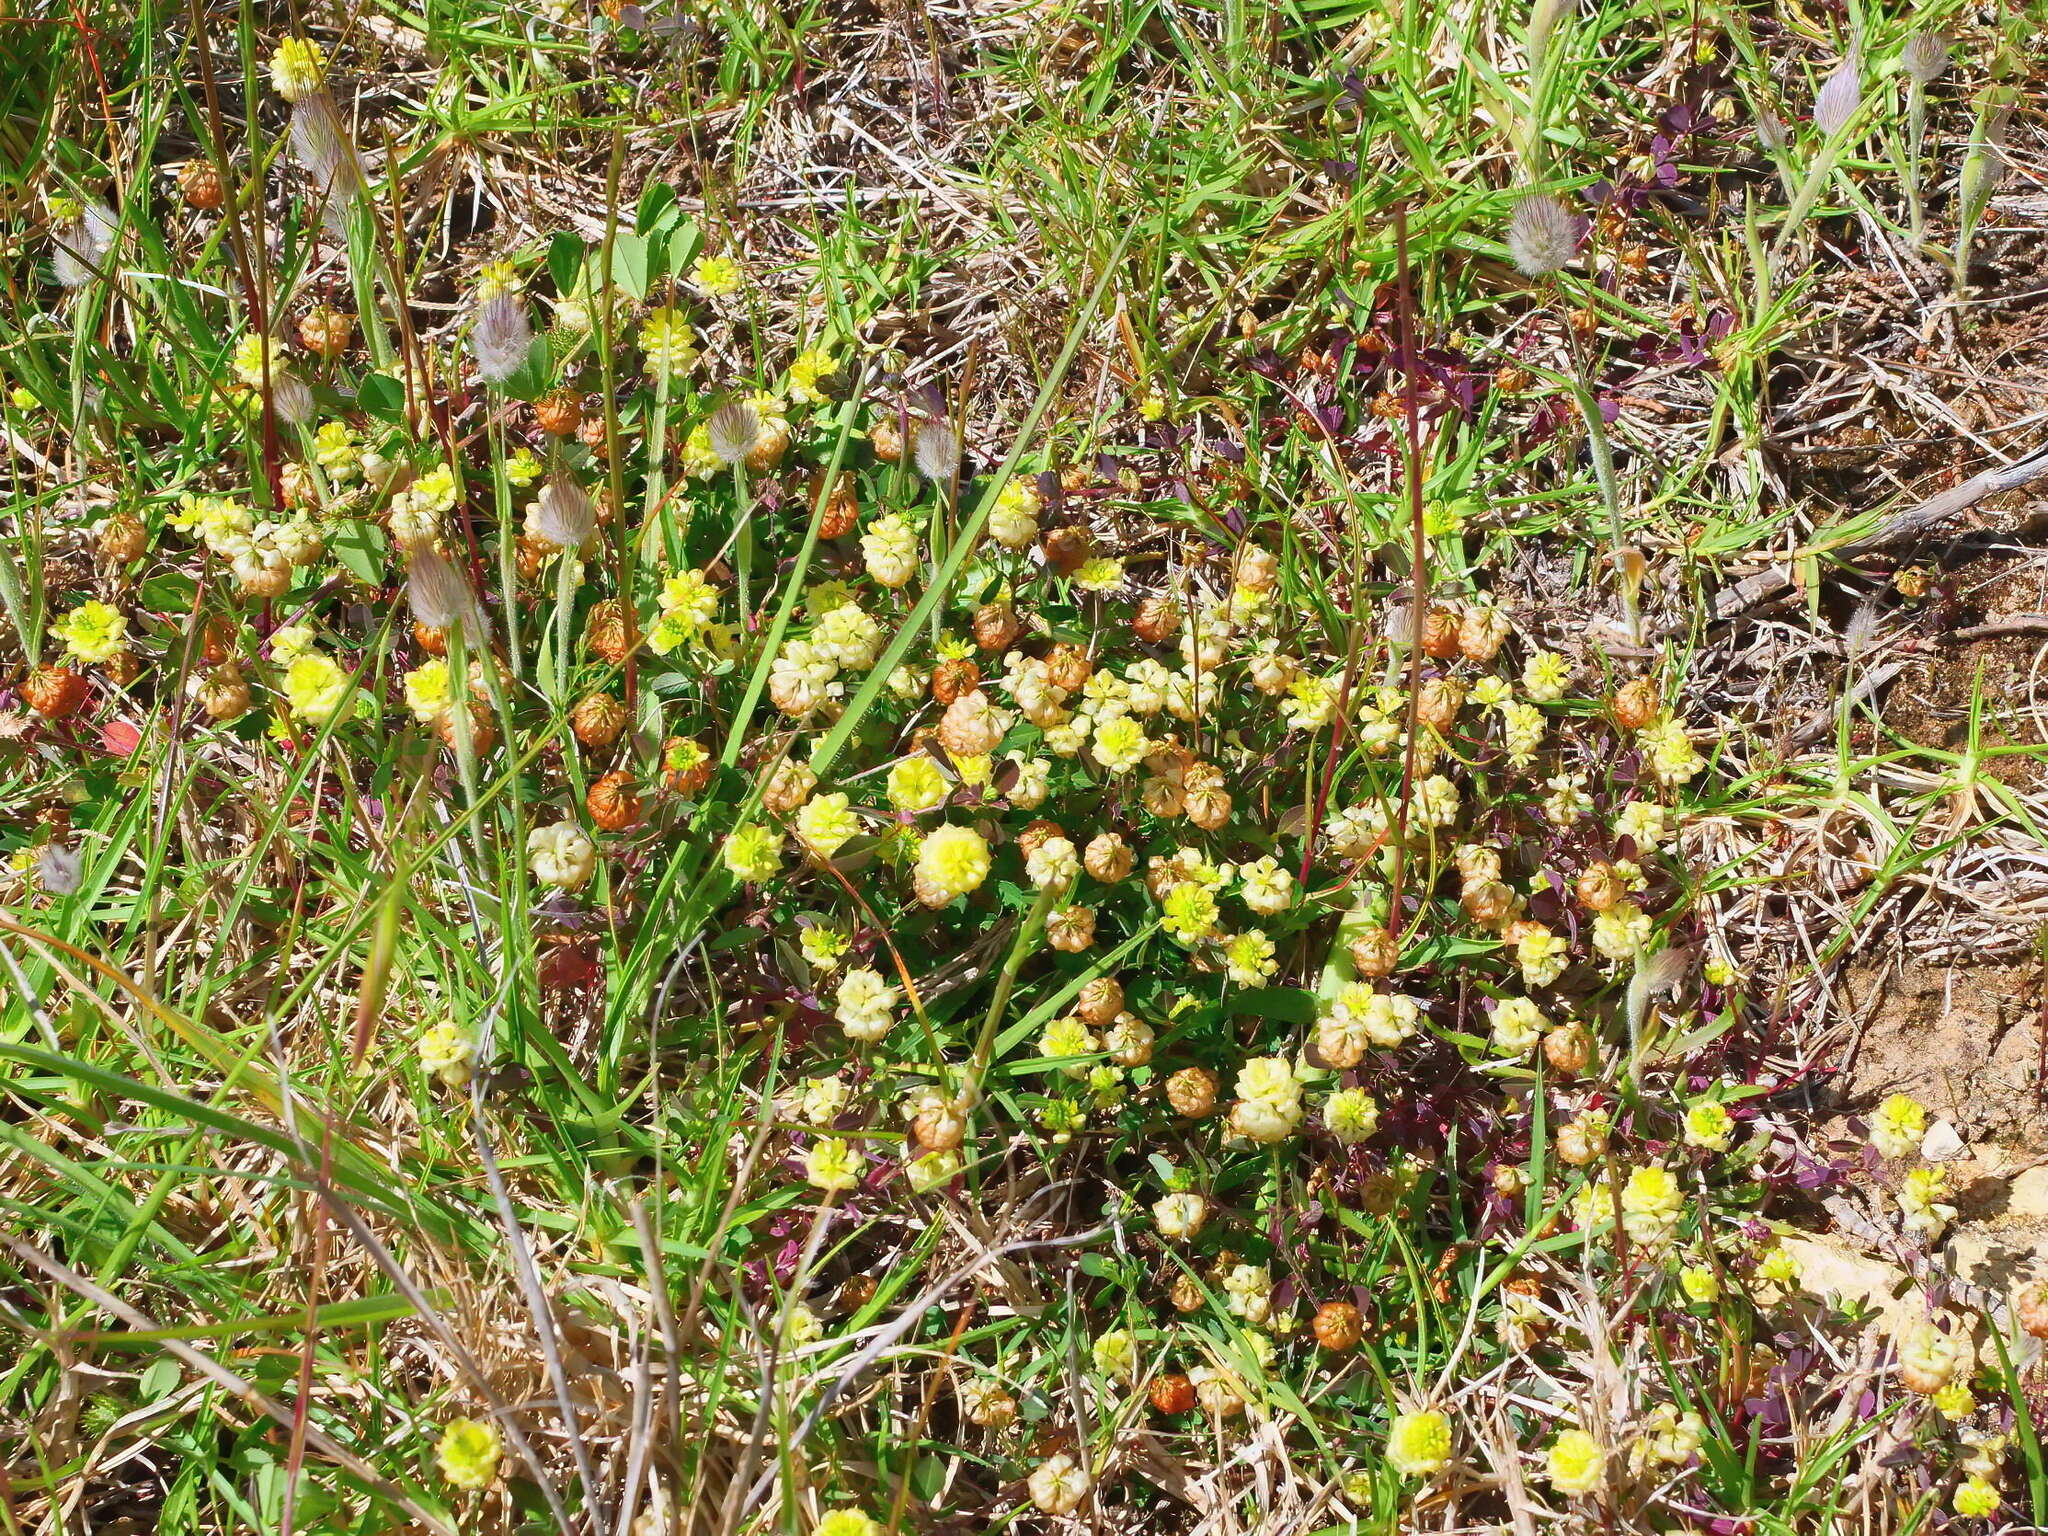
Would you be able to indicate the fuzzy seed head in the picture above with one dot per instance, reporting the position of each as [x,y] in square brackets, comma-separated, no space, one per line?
[321,145]
[734,428]
[1543,235]
[938,451]
[1840,95]
[500,337]
[562,514]
[1925,57]
[440,596]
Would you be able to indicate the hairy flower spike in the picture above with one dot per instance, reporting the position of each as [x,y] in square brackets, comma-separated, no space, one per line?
[500,337]
[1542,235]
[1925,57]
[1835,106]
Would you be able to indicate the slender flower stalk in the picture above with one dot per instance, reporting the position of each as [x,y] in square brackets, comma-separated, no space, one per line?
[1925,60]
[1837,108]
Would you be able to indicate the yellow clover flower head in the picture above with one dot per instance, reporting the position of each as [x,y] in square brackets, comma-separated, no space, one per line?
[1651,1202]
[495,279]
[1419,1444]
[1708,1124]
[93,631]
[753,852]
[1189,913]
[254,354]
[298,68]
[669,344]
[833,1165]
[1576,1463]
[952,862]
[1899,1126]
[811,365]
[1976,1498]
[716,276]
[469,1453]
[316,688]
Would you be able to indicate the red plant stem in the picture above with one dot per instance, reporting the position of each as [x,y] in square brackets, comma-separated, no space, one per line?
[1411,471]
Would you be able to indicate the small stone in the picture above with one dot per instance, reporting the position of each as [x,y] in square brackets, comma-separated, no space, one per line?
[1942,1142]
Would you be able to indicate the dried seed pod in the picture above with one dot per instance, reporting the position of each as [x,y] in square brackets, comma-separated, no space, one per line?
[685,766]
[532,556]
[987,1405]
[1173,1393]
[842,510]
[559,412]
[598,720]
[1568,1049]
[1338,1326]
[223,693]
[295,481]
[55,693]
[1070,930]
[1067,549]
[1477,864]
[886,436]
[122,668]
[1219,1396]
[1582,1140]
[122,538]
[200,185]
[430,638]
[941,1129]
[996,627]
[1164,798]
[483,734]
[953,679]
[612,801]
[1635,703]
[1186,1294]
[1206,805]
[1156,620]
[1489,904]
[1107,858]
[1100,1001]
[1068,667]
[1440,634]
[1192,1092]
[769,446]
[1339,1043]
[789,786]
[269,579]
[1375,952]
[1482,630]
[2032,1309]
[604,631]
[1599,887]
[970,726]
[219,639]
[1036,834]
[1437,705]
[1508,1180]
[591,432]
[326,331]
